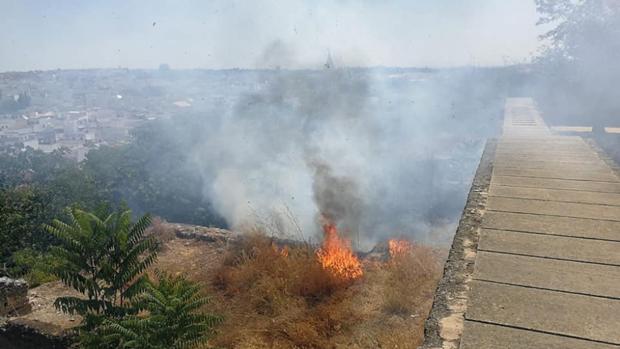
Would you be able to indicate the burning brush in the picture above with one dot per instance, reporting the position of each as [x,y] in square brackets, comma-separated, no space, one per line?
[336,255]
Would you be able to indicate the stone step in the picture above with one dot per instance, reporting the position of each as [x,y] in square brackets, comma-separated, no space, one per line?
[559,275]
[489,336]
[584,317]
[550,246]
[552,225]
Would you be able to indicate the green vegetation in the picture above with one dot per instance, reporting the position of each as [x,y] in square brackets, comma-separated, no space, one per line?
[174,319]
[149,174]
[105,256]
[152,174]
[34,188]
[578,69]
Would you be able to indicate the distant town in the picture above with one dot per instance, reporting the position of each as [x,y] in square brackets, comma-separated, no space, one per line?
[77,110]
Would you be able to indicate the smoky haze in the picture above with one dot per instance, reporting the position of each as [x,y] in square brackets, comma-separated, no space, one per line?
[321,122]
[378,152]
[227,34]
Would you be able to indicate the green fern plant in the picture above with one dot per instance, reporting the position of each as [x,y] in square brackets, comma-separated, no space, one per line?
[105,256]
[172,318]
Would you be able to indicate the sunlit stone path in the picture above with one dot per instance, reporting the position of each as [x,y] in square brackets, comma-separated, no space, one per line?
[547,267]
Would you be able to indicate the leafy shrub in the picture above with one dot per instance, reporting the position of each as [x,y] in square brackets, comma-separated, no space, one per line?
[172,320]
[105,256]
[35,267]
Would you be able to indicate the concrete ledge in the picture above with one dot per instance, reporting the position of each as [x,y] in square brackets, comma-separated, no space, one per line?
[444,326]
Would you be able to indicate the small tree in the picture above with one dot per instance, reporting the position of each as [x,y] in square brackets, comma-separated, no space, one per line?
[173,320]
[105,257]
[580,55]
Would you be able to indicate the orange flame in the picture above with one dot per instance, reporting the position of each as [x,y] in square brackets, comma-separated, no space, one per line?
[336,255]
[399,247]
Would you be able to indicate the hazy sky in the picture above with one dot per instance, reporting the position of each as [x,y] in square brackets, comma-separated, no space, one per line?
[47,34]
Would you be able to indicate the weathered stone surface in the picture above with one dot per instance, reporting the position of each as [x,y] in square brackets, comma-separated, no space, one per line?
[44,327]
[550,183]
[551,208]
[556,195]
[547,270]
[579,227]
[552,165]
[559,173]
[13,297]
[444,325]
[551,155]
[554,312]
[572,154]
[22,336]
[586,278]
[549,246]
[583,161]
[487,336]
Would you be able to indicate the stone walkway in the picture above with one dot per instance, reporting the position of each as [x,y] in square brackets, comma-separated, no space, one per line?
[547,270]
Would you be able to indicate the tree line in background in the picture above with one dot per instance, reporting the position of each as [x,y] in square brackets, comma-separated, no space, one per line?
[577,70]
[148,175]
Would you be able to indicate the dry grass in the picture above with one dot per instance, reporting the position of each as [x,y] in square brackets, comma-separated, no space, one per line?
[161,230]
[281,297]
[272,297]
[415,269]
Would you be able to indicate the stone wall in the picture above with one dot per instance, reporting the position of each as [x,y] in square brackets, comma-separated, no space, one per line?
[444,325]
[13,297]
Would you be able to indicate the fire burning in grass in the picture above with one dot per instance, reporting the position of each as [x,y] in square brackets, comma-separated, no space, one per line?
[336,256]
[280,294]
[399,247]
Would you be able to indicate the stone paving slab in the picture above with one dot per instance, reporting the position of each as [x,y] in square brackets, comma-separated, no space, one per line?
[552,208]
[550,138]
[585,175]
[545,158]
[580,151]
[546,148]
[534,132]
[550,246]
[568,314]
[542,142]
[568,276]
[548,154]
[538,143]
[557,167]
[546,271]
[552,225]
[528,162]
[597,164]
[547,166]
[488,336]
[549,159]
[587,197]
[551,183]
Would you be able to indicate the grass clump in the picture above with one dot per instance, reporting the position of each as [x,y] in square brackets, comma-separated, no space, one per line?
[279,296]
[416,268]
